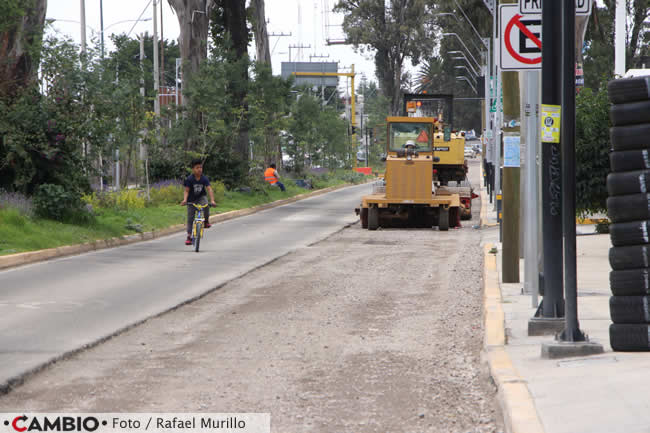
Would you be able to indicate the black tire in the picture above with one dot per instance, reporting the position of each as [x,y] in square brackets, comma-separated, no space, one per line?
[629,89]
[629,257]
[629,207]
[443,219]
[629,309]
[629,160]
[197,240]
[373,218]
[363,216]
[630,137]
[454,217]
[630,233]
[630,282]
[629,338]
[630,182]
[630,113]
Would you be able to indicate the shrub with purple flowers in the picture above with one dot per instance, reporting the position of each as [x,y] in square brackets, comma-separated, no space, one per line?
[18,201]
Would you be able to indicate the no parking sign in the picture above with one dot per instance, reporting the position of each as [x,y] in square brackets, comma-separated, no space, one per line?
[521,39]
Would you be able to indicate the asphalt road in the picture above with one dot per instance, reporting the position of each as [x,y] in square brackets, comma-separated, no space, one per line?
[52,308]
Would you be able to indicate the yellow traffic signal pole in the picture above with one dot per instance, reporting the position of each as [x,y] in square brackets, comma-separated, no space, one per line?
[353,117]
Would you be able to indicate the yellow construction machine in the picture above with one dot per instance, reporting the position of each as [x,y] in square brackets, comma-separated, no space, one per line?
[407,196]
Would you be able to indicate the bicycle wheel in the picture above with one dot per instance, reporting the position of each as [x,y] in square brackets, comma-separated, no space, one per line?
[197,240]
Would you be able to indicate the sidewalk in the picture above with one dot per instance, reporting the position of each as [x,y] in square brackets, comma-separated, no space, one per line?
[607,393]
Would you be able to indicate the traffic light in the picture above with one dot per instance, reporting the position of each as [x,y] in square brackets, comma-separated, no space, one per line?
[354,129]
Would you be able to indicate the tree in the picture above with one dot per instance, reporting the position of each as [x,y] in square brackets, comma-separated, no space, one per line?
[21,33]
[193,19]
[229,29]
[592,150]
[402,31]
[261,35]
[125,61]
[269,101]
[599,41]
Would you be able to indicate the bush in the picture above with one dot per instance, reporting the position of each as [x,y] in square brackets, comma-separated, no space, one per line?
[592,150]
[167,192]
[125,199]
[130,199]
[219,189]
[17,201]
[56,203]
[353,177]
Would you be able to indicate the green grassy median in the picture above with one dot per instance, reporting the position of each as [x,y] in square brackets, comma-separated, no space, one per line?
[20,232]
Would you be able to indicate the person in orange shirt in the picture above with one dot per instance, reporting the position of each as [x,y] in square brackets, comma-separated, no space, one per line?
[271,176]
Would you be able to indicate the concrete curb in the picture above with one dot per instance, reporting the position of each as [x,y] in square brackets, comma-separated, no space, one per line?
[517,405]
[20,259]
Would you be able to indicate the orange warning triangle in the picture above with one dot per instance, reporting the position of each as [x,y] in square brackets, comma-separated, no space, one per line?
[423,137]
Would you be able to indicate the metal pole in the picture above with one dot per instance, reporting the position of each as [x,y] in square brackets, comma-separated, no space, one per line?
[488,101]
[101,23]
[156,74]
[572,330]
[497,95]
[162,47]
[142,65]
[117,169]
[82,11]
[531,265]
[619,38]
[553,304]
[497,135]
[353,117]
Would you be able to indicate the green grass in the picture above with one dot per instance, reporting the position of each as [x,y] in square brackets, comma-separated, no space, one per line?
[19,233]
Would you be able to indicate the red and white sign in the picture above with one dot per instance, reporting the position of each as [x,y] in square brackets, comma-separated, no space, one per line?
[521,39]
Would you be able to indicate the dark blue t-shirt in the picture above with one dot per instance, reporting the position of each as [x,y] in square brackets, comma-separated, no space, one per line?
[197,187]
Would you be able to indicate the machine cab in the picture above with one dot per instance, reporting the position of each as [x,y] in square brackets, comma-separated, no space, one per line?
[410,137]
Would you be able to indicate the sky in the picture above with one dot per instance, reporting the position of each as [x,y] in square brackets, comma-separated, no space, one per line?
[306,20]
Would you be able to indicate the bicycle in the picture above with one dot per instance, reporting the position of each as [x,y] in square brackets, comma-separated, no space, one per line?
[197,227]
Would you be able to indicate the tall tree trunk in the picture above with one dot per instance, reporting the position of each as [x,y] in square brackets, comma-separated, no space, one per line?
[234,18]
[193,20]
[20,43]
[264,56]
[259,30]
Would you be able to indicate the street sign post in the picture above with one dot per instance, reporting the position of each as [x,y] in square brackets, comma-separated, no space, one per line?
[583,7]
[520,39]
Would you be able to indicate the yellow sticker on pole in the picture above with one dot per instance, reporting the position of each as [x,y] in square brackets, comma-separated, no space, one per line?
[551,118]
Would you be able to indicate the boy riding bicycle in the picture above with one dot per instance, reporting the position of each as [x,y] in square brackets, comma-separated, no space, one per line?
[196,186]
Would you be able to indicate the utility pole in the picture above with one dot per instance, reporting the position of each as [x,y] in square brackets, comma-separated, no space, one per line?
[156,73]
[83,27]
[162,47]
[619,38]
[511,176]
[531,202]
[101,23]
[278,35]
[142,36]
[297,46]
[571,341]
[548,319]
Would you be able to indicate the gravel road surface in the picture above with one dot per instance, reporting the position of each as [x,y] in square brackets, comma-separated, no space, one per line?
[362,332]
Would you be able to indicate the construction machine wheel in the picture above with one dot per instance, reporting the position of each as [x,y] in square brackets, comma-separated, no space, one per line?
[443,219]
[454,217]
[373,218]
[363,216]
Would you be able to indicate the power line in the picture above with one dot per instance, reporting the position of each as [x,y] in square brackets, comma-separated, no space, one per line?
[139,18]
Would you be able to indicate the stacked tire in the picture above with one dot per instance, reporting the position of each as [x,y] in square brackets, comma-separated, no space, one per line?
[628,207]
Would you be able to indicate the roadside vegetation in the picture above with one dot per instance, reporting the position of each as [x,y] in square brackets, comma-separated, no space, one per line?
[24,227]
